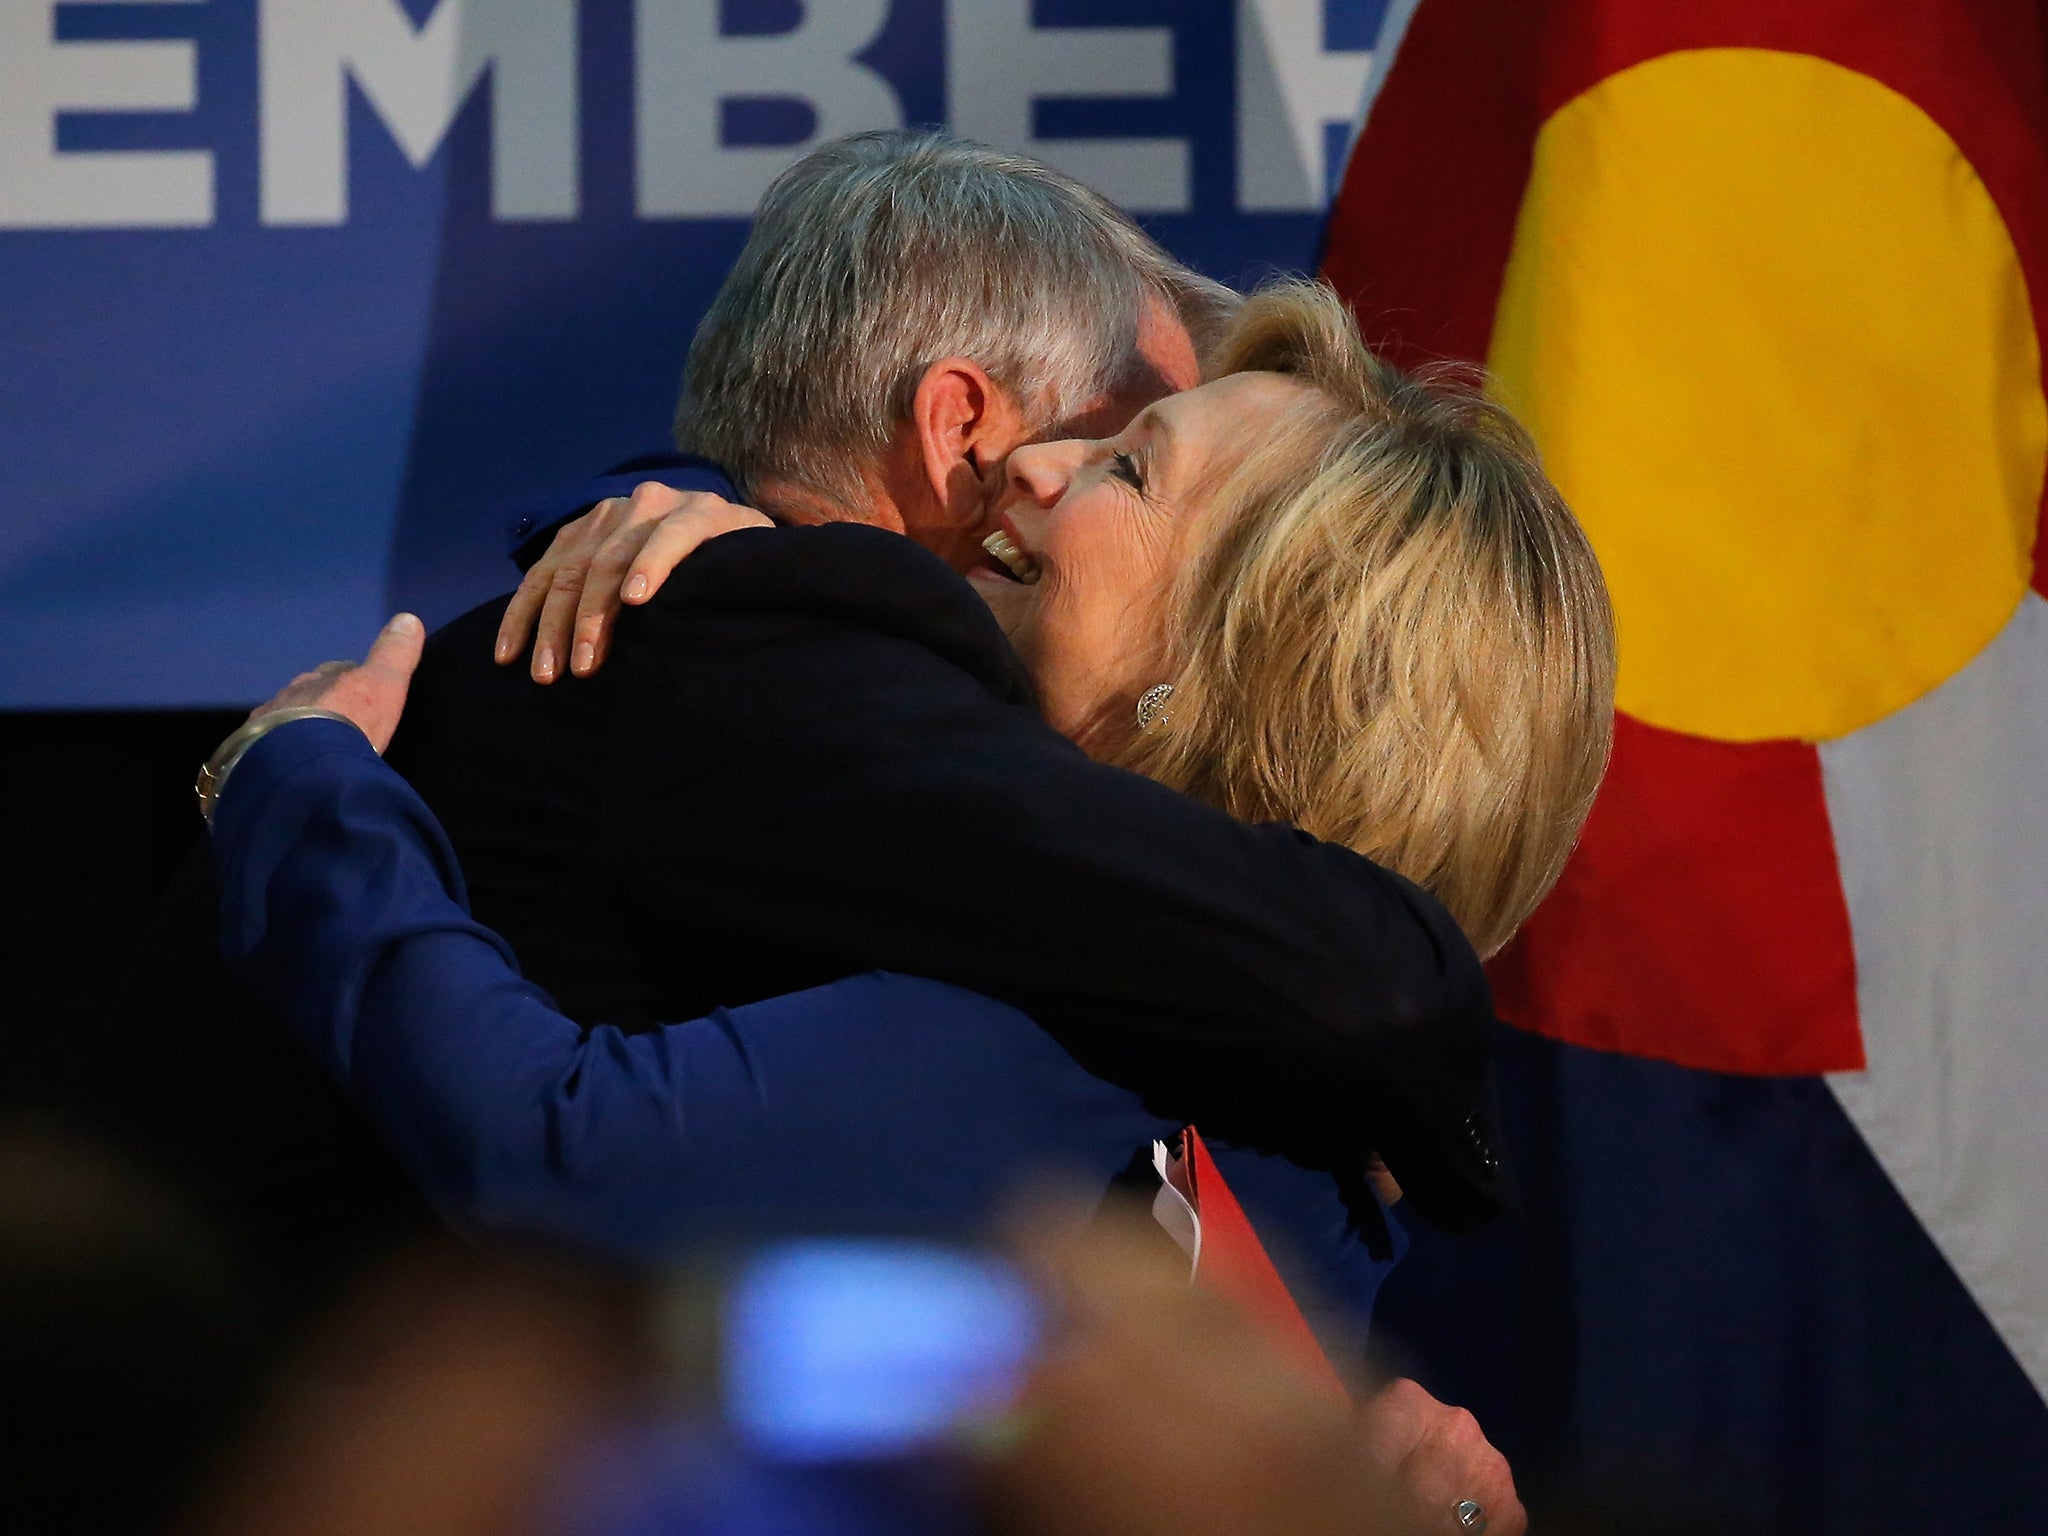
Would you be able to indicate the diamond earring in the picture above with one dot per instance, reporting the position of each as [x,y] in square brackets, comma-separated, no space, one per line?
[1152,707]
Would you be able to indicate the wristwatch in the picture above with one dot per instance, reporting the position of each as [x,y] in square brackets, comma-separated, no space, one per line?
[213,777]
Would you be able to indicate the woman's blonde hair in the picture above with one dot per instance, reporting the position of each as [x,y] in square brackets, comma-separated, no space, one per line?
[1397,636]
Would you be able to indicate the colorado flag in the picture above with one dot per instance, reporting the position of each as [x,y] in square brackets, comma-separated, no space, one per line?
[1766,282]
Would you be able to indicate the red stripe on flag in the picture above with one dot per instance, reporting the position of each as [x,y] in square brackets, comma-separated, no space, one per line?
[1701,920]
[1426,215]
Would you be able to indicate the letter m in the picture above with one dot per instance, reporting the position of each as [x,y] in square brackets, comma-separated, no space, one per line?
[416,80]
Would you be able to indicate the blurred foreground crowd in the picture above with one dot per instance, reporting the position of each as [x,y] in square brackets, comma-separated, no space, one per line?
[152,1385]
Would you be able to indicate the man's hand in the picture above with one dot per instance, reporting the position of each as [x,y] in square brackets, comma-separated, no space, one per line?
[1429,1458]
[1159,1409]
[618,552]
[371,694]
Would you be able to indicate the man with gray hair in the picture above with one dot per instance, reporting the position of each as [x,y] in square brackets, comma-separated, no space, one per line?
[883,253]
[905,302]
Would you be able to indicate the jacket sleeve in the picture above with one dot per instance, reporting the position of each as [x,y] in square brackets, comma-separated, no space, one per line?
[812,732]
[342,908]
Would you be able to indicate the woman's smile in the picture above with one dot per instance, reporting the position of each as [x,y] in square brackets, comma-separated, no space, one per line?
[1004,547]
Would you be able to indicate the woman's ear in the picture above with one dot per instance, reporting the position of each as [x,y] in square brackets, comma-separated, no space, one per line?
[966,425]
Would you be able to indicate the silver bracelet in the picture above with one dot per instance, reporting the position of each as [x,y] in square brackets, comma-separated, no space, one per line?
[213,776]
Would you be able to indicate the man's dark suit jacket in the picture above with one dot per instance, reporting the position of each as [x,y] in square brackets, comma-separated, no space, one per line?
[815,754]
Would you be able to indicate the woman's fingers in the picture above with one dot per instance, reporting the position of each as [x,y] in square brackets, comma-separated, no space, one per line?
[637,559]
[600,602]
[572,575]
[555,631]
[557,616]
[620,551]
[678,536]
[516,628]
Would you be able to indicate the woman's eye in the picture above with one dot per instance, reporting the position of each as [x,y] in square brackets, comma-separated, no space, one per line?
[1125,468]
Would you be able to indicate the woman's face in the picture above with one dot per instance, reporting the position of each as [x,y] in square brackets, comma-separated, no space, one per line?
[1107,525]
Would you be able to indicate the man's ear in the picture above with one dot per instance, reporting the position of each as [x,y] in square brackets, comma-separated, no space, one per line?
[965,424]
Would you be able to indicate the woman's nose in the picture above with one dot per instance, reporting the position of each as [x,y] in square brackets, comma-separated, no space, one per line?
[1040,471]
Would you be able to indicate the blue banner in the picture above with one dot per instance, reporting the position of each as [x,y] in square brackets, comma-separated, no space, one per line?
[299,294]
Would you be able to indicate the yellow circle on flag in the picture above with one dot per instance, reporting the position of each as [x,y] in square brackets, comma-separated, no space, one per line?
[1773,339]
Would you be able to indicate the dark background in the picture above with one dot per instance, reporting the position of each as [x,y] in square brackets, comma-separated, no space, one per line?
[101,811]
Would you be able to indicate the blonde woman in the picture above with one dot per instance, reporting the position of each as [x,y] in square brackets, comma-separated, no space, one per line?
[1376,619]
[1312,593]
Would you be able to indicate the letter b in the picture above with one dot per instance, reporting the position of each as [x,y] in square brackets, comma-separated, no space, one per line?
[685,69]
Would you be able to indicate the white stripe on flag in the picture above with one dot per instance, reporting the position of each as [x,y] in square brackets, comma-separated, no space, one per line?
[1940,816]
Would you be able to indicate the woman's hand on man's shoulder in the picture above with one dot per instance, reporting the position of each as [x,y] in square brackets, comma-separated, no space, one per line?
[618,553]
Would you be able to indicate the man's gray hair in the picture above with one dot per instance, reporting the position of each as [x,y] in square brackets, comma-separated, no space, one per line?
[877,255]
